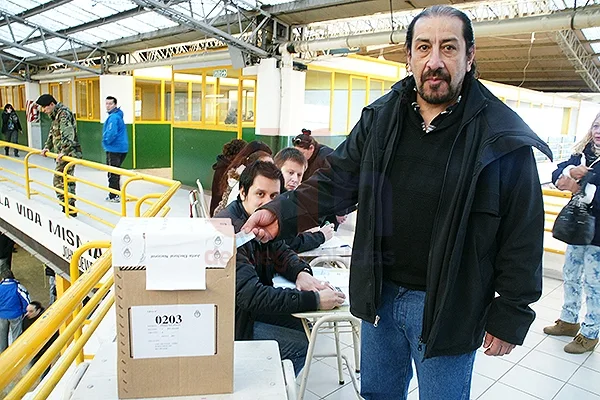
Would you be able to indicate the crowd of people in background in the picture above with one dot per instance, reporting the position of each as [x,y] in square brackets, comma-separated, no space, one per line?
[17,311]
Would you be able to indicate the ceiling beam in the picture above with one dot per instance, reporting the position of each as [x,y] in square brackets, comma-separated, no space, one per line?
[39,9]
[44,33]
[580,58]
[50,57]
[202,26]
[9,66]
[89,25]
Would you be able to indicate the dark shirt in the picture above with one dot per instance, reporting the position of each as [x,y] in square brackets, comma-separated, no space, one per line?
[415,177]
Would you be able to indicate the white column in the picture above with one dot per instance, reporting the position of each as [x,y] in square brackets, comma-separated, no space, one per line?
[121,88]
[34,129]
[268,98]
[292,101]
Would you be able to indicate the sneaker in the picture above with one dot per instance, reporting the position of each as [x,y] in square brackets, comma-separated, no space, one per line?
[116,199]
[562,328]
[581,344]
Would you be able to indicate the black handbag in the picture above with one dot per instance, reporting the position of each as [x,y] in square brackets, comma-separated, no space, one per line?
[575,224]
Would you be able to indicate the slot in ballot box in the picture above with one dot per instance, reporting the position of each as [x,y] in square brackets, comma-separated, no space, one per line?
[175,304]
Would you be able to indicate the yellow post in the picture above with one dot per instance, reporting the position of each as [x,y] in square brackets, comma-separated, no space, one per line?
[61,287]
[239,102]
[74,274]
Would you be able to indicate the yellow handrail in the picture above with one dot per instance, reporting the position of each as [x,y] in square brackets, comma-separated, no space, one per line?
[24,349]
[17,355]
[74,275]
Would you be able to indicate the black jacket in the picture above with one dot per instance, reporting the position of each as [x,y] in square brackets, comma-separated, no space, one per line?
[595,180]
[488,231]
[16,121]
[256,265]
[305,241]
[317,161]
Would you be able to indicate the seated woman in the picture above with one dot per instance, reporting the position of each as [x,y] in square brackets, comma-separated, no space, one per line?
[230,150]
[292,164]
[262,311]
[253,151]
[581,271]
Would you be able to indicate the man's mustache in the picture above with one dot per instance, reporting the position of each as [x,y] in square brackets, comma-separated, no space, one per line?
[438,74]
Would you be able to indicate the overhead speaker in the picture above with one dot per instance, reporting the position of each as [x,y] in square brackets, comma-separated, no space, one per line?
[239,59]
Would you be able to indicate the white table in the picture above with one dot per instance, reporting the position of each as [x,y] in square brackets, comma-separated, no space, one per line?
[258,375]
[338,246]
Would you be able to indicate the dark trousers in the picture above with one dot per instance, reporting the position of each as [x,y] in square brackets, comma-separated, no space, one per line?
[13,137]
[114,180]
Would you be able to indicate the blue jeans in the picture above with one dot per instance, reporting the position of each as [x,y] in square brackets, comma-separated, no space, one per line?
[388,349]
[581,273]
[293,343]
[14,326]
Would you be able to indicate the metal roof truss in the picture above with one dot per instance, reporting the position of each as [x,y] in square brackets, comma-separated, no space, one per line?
[69,43]
[15,67]
[253,30]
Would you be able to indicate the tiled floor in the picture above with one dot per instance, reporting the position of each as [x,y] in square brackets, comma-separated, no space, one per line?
[539,369]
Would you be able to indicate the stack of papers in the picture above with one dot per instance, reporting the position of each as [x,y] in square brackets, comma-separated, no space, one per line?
[337,277]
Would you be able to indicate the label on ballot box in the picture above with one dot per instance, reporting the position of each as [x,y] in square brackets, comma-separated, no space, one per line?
[178,330]
[174,251]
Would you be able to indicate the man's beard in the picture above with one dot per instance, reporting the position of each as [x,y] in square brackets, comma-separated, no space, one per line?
[435,96]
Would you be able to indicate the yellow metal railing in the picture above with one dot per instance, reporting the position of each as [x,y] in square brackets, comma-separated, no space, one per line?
[67,310]
[25,181]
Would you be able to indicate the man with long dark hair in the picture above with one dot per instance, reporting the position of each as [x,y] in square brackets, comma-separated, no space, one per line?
[450,214]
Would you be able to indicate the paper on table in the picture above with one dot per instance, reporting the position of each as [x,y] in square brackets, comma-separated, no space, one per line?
[334,243]
[338,278]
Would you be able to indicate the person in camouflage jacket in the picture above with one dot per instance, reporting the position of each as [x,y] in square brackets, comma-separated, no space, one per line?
[62,139]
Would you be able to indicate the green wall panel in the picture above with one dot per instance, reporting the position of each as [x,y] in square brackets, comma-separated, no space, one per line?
[248,134]
[45,124]
[331,141]
[90,138]
[23,140]
[194,153]
[277,143]
[152,145]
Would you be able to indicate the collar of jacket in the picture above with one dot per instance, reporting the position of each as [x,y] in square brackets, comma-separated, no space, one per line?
[238,214]
[504,136]
[114,110]
[59,106]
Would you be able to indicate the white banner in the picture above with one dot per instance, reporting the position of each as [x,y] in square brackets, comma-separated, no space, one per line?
[49,227]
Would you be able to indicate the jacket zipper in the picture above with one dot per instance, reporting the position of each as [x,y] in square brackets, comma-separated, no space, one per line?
[425,332]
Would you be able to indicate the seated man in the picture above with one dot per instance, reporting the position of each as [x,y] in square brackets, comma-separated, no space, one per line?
[263,312]
[292,164]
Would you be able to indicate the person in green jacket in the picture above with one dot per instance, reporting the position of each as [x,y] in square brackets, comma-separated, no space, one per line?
[62,139]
